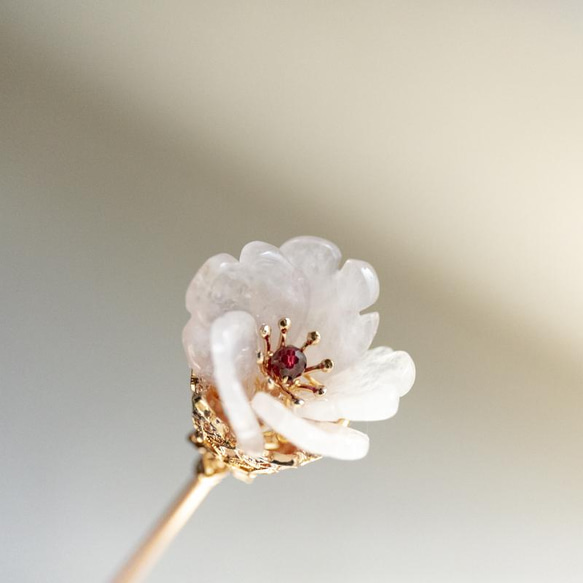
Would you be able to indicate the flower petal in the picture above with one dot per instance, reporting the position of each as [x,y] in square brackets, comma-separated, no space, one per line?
[199,295]
[314,256]
[367,391]
[191,337]
[233,346]
[276,289]
[360,284]
[363,331]
[326,439]
[346,336]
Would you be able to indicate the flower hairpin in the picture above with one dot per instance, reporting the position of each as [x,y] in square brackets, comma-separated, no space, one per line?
[280,358]
[275,408]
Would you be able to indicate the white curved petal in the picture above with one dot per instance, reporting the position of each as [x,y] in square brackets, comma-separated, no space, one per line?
[346,336]
[233,346]
[199,293]
[276,288]
[366,327]
[359,284]
[190,339]
[326,439]
[367,391]
[314,256]
[259,251]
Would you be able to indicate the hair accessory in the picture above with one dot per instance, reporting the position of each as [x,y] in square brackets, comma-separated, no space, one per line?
[265,402]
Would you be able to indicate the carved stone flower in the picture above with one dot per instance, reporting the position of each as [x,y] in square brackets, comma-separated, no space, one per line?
[281,335]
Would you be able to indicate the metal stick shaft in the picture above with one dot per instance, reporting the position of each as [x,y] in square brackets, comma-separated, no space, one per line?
[146,556]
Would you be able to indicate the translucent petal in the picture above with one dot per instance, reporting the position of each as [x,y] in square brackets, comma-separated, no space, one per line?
[367,391]
[326,439]
[190,339]
[257,251]
[346,336]
[314,256]
[359,284]
[276,288]
[233,347]
[199,298]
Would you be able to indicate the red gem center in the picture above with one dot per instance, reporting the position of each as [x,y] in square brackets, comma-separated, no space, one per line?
[288,361]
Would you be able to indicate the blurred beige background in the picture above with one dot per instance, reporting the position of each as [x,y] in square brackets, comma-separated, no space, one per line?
[441,141]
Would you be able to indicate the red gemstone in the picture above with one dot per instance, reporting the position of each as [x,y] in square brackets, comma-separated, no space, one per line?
[288,361]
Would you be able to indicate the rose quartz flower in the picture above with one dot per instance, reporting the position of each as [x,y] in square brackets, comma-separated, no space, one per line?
[230,300]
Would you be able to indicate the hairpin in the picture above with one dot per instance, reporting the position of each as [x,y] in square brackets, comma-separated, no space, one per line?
[279,351]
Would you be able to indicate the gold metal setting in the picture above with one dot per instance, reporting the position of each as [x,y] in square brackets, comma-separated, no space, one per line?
[218,444]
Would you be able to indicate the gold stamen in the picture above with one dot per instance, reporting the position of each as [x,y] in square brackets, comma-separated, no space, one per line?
[294,399]
[312,339]
[265,333]
[325,366]
[284,325]
[315,390]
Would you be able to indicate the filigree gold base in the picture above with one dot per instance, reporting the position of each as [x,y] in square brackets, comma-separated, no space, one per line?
[218,444]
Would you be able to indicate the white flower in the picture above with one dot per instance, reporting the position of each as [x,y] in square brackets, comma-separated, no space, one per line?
[229,302]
